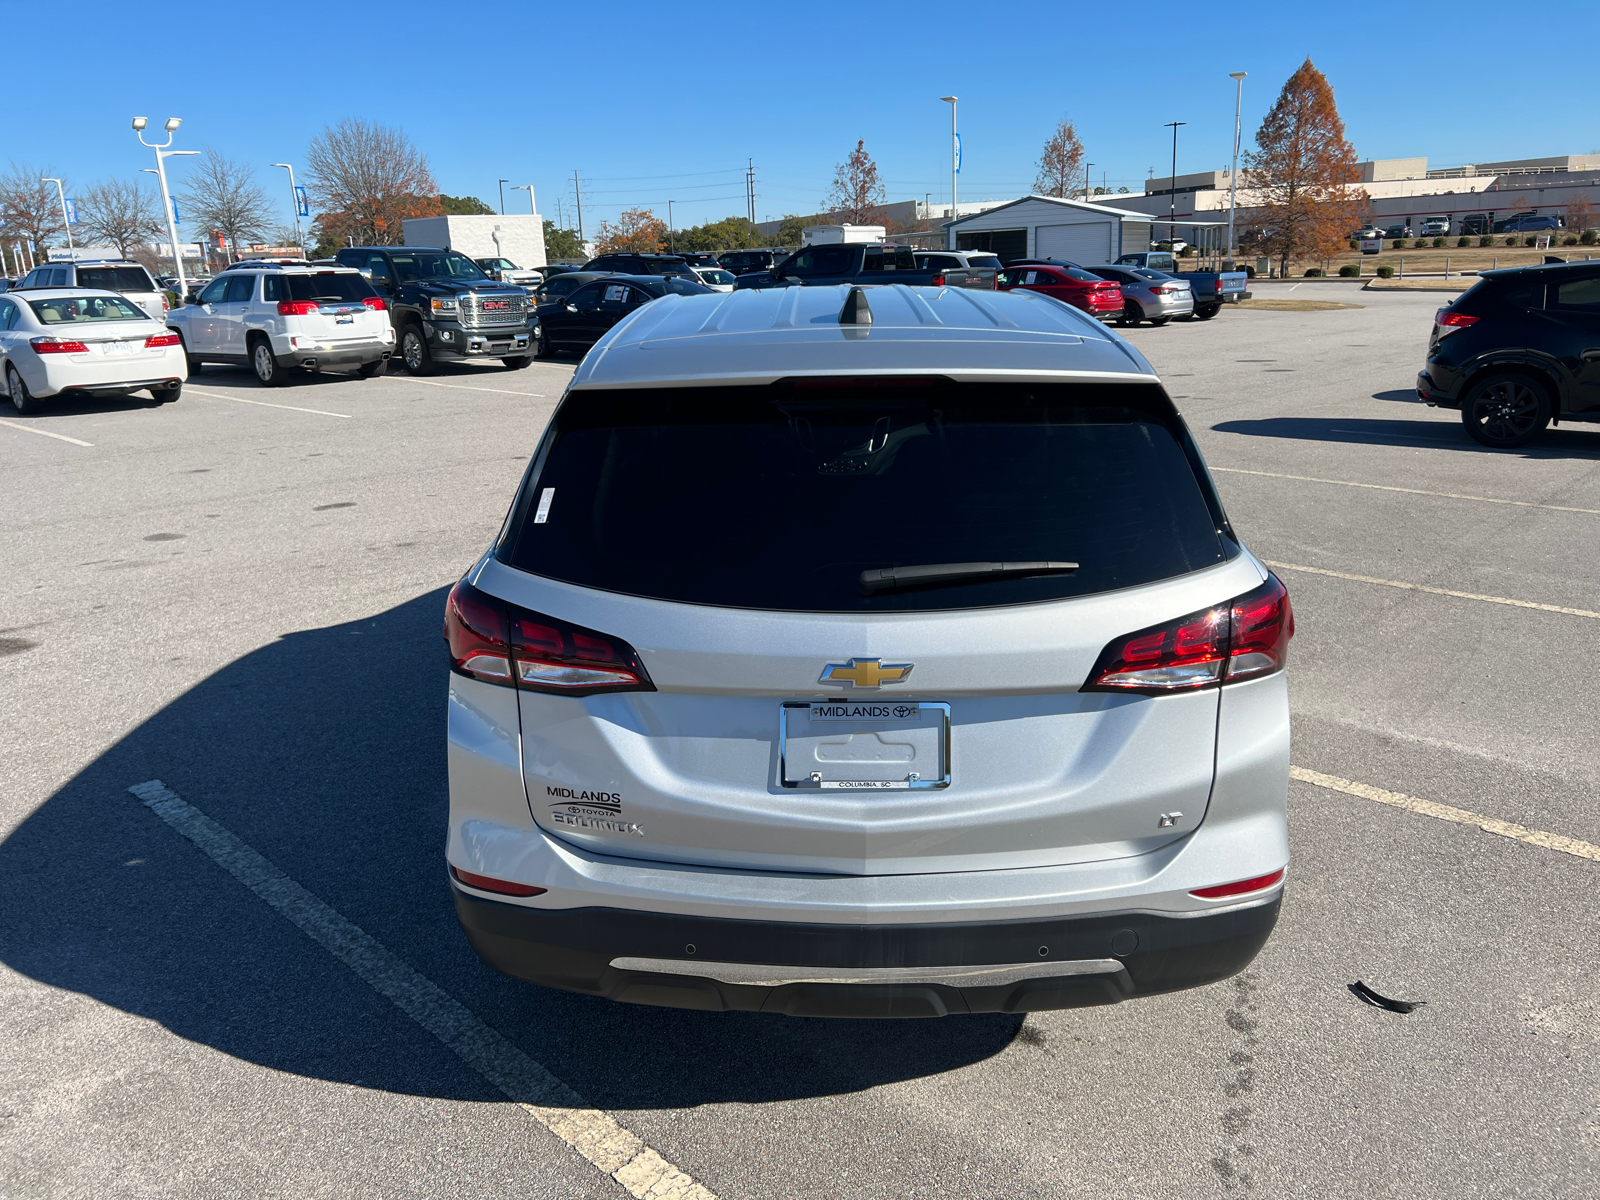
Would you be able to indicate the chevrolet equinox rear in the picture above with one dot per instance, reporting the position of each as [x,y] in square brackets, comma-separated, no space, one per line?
[867,652]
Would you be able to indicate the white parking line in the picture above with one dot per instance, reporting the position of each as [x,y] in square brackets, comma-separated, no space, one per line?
[194,391]
[1446,812]
[60,437]
[461,387]
[1384,487]
[592,1133]
[1422,587]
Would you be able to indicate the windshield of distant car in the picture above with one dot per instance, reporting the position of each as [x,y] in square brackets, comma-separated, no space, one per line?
[415,265]
[716,276]
[115,279]
[76,310]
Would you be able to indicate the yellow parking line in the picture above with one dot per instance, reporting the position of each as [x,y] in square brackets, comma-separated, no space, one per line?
[1422,587]
[1383,487]
[60,437]
[1447,812]
[264,404]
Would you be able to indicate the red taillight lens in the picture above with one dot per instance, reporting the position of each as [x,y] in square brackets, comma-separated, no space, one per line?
[296,308]
[1239,640]
[50,345]
[156,340]
[510,646]
[488,883]
[375,303]
[1243,887]
[1453,320]
[938,281]
[1217,284]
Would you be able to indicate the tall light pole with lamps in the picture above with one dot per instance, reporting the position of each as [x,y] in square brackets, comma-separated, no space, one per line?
[162,154]
[1233,179]
[503,183]
[1172,188]
[294,205]
[66,224]
[527,187]
[955,152]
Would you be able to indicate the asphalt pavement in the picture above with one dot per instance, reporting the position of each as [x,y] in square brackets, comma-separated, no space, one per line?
[240,595]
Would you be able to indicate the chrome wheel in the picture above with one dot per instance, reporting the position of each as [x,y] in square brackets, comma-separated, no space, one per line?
[21,399]
[266,368]
[414,352]
[1504,411]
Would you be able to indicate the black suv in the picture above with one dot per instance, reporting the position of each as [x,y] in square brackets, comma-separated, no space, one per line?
[443,305]
[643,264]
[743,262]
[1518,350]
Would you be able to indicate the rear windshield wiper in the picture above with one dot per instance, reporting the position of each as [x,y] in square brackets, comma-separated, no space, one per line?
[901,577]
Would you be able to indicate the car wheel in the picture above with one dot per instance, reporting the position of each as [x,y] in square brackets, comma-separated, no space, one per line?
[516,364]
[541,344]
[1209,311]
[193,364]
[1505,410]
[21,398]
[414,351]
[1132,314]
[166,395]
[266,363]
[1158,322]
[372,369]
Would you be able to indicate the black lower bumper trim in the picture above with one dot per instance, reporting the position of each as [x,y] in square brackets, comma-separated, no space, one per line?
[573,949]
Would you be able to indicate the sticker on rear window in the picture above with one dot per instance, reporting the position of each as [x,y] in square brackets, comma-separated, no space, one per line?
[545,497]
[617,291]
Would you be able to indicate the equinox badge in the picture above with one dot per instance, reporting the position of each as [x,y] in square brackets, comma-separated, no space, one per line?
[866,673]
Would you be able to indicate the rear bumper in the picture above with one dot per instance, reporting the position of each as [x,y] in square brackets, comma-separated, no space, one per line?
[1433,396]
[830,970]
[339,354]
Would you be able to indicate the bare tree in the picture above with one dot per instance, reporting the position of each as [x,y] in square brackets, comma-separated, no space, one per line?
[120,212]
[1060,162]
[857,192]
[223,195]
[30,208]
[367,178]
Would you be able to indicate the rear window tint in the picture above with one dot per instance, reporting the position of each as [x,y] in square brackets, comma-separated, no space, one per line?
[780,497]
[116,279]
[328,285]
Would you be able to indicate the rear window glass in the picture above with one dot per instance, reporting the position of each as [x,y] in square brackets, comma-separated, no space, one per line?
[780,497]
[75,310]
[115,279]
[986,262]
[328,285]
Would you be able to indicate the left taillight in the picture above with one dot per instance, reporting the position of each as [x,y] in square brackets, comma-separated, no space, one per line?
[938,281]
[52,345]
[157,340]
[375,303]
[1243,639]
[502,644]
[1448,322]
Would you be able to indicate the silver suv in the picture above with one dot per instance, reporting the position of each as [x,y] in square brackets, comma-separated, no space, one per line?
[867,652]
[120,275]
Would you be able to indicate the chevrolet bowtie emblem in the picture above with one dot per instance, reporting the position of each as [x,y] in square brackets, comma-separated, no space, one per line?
[866,673]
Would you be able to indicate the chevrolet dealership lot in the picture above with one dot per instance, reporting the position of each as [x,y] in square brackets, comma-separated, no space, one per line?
[248,979]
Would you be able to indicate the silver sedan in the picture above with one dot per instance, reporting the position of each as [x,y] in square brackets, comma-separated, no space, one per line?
[1147,295]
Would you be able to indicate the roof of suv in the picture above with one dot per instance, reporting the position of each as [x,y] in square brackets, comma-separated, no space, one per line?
[761,335]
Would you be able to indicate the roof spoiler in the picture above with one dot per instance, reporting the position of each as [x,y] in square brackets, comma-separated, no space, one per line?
[855,310]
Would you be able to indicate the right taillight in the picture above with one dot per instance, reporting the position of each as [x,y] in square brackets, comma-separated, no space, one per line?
[1247,637]
[502,644]
[1449,322]
[296,308]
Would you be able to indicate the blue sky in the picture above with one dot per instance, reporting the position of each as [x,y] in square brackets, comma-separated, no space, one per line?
[655,102]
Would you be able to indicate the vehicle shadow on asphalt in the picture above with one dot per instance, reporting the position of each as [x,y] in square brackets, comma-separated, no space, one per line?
[1359,431]
[223,375]
[325,751]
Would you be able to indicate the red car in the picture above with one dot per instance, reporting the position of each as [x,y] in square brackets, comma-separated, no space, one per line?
[1098,297]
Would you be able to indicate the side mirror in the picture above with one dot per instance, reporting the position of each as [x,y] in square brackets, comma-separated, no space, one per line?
[571,307]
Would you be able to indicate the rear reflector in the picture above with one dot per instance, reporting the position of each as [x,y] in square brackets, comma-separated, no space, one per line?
[1247,637]
[486,883]
[1259,884]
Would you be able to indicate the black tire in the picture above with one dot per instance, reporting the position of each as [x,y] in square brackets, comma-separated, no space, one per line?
[1209,311]
[1505,410]
[414,351]
[194,364]
[166,395]
[372,369]
[22,399]
[516,364]
[1132,314]
[265,363]
[541,344]
[1158,322]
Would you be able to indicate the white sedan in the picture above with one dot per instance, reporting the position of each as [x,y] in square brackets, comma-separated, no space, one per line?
[716,278]
[84,342]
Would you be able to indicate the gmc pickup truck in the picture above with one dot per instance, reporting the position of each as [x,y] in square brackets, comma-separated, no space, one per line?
[862,263]
[1212,289]
[444,306]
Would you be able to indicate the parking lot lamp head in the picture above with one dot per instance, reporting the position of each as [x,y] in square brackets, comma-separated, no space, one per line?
[140,122]
[172,123]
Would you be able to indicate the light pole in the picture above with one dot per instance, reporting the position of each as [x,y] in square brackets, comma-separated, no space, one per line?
[670,242]
[61,191]
[1086,167]
[503,183]
[294,204]
[1233,179]
[527,187]
[162,154]
[955,154]
[1172,188]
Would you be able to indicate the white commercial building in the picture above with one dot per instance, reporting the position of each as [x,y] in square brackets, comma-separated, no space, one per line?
[1051,227]
[519,238]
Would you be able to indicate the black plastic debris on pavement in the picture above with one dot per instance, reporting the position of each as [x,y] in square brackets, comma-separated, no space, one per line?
[1367,996]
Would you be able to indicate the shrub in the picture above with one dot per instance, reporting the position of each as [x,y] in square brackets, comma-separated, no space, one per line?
[1589,237]
[1349,272]
[1512,240]
[1530,240]
[1419,243]
[1385,272]
[1313,272]
[1438,243]
[1354,245]
[1463,242]
[1186,252]
[1249,270]
[1399,243]
[1485,242]
[1570,240]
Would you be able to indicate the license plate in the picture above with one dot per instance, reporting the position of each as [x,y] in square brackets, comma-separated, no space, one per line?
[116,349]
[864,745]
[344,320]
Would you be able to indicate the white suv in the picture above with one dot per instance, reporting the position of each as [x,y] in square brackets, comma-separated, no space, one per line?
[280,317]
[120,275]
[867,652]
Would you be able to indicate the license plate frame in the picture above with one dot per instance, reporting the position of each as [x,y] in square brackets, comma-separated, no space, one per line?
[119,349]
[799,731]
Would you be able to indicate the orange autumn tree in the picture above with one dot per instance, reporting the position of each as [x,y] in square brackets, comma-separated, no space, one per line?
[856,196]
[1303,172]
[1060,163]
[637,231]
